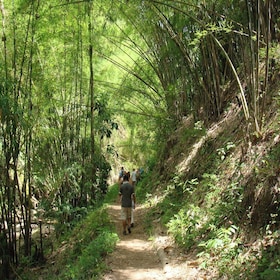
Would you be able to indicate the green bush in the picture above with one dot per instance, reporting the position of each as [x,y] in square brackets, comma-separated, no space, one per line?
[184,225]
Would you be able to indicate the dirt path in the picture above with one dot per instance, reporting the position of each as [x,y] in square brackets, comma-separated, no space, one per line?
[135,257]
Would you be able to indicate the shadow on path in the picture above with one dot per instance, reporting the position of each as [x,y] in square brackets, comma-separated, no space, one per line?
[134,257]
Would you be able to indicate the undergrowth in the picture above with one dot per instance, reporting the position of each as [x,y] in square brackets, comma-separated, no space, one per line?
[79,254]
[209,208]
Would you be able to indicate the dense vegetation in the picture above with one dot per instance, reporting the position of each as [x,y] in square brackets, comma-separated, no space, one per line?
[89,85]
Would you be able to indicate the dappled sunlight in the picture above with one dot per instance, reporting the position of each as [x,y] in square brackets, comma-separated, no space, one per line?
[212,132]
[134,274]
[185,164]
[138,244]
[134,257]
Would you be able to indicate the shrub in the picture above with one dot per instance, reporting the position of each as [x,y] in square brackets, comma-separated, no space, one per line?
[183,226]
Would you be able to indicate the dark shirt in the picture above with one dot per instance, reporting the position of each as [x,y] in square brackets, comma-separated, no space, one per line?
[126,191]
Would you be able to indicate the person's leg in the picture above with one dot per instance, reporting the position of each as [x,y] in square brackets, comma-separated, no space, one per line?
[129,210]
[124,219]
[124,226]
[129,223]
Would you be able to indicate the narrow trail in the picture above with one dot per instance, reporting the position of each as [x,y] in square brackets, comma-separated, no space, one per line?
[136,257]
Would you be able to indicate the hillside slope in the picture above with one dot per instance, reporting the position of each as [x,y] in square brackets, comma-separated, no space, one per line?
[216,192]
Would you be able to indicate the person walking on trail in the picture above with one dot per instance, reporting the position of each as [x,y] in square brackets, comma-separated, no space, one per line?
[127,196]
[133,177]
[121,174]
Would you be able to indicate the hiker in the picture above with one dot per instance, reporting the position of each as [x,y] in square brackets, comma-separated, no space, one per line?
[138,174]
[128,176]
[127,196]
[121,174]
[133,177]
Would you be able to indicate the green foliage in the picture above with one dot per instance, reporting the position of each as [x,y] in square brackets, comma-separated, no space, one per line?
[67,217]
[112,194]
[220,241]
[144,187]
[91,240]
[192,223]
[89,264]
[82,249]
[103,122]
[270,273]
[267,269]
[184,225]
[222,246]
[253,263]
[267,266]
[189,185]
[223,152]
[225,202]
[269,164]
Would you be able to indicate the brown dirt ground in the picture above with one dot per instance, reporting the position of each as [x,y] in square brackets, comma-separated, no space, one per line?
[137,257]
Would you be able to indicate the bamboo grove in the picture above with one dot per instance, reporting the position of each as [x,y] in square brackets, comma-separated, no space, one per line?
[69,67]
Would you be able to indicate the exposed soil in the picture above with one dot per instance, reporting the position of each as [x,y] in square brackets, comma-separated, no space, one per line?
[137,257]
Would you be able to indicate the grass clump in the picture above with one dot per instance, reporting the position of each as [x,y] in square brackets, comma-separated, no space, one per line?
[89,265]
